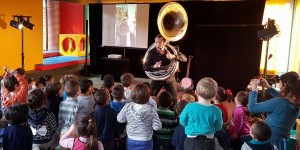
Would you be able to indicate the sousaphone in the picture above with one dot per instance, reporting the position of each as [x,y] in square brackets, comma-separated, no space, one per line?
[172,22]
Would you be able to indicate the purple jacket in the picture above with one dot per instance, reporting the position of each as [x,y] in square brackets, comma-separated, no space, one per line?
[240,120]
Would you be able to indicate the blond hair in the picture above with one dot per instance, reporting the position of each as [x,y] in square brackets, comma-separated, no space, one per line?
[188,97]
[207,88]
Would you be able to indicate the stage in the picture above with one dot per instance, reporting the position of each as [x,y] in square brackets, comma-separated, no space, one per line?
[53,60]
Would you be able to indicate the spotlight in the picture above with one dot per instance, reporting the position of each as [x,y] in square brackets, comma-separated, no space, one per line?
[16,24]
[271,30]
[28,25]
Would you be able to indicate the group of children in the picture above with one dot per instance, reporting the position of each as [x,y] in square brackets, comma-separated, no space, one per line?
[75,115]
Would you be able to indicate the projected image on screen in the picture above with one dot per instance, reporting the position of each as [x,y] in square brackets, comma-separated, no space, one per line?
[125,26]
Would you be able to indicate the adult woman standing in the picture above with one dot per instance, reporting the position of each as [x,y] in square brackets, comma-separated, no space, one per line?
[283,109]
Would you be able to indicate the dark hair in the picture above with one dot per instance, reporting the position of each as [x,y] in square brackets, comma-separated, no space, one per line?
[85,84]
[165,99]
[291,82]
[149,86]
[20,71]
[72,88]
[224,95]
[192,92]
[10,82]
[101,96]
[36,99]
[160,36]
[108,81]
[86,127]
[242,97]
[91,82]
[45,79]
[261,131]
[17,114]
[118,92]
[53,89]
[29,80]
[127,79]
[180,106]
[140,94]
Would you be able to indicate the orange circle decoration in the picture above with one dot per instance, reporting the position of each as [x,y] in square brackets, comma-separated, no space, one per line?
[82,44]
[67,44]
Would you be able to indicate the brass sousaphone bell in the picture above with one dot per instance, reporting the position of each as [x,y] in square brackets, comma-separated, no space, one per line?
[172,22]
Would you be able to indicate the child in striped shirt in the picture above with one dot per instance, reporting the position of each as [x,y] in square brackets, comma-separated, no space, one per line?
[163,137]
[69,108]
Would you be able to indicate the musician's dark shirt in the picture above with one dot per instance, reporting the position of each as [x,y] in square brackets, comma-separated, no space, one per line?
[153,57]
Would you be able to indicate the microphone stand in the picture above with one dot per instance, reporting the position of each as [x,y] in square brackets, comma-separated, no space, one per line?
[263,92]
[22,50]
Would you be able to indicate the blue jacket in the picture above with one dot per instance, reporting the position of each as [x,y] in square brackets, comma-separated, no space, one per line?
[17,137]
[106,121]
[281,114]
[117,106]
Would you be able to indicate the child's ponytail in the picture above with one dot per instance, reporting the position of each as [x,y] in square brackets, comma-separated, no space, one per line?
[224,95]
[229,96]
[92,142]
[86,127]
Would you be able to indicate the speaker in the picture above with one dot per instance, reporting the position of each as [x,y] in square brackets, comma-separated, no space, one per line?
[86,70]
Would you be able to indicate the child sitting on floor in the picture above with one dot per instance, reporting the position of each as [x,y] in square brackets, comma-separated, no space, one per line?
[163,137]
[260,133]
[106,119]
[86,138]
[239,122]
[127,80]
[85,98]
[117,104]
[18,135]
[69,108]
[15,88]
[41,121]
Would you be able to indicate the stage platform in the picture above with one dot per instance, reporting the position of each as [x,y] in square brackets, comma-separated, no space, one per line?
[53,60]
[52,53]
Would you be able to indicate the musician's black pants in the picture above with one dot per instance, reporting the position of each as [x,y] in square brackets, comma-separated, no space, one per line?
[170,85]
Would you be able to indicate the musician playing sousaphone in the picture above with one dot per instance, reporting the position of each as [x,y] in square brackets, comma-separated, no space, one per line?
[159,57]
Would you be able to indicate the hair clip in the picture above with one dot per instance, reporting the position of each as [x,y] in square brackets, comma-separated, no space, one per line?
[228,92]
[90,120]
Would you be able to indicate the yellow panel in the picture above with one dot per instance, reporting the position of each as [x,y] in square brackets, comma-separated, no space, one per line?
[71,51]
[10,38]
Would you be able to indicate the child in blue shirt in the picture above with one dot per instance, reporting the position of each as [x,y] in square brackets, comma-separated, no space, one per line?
[118,94]
[179,135]
[117,104]
[201,119]
[106,119]
[18,135]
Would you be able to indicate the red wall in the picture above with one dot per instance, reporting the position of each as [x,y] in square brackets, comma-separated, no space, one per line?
[71,18]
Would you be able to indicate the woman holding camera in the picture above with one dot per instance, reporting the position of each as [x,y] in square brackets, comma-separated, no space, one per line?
[282,110]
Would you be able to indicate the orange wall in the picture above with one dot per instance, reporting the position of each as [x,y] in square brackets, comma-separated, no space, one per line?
[10,38]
